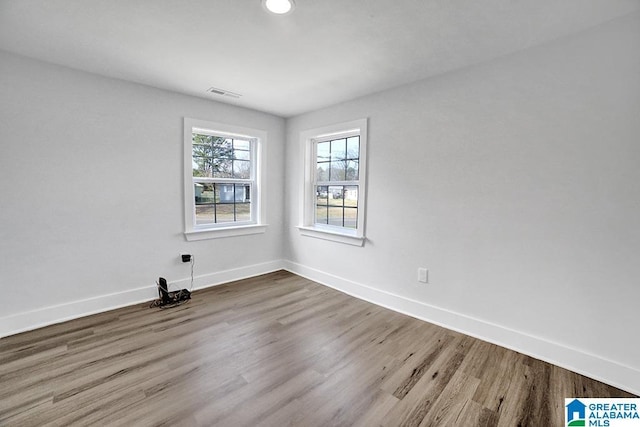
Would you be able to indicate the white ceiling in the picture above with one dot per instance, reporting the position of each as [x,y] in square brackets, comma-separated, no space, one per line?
[325,52]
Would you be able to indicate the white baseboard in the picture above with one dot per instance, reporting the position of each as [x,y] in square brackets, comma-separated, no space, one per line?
[591,365]
[596,367]
[28,320]
[226,276]
[50,315]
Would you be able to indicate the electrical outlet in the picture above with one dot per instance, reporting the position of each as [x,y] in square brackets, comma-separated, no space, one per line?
[185,257]
[423,275]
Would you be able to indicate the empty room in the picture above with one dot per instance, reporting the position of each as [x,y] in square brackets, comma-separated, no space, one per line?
[320,213]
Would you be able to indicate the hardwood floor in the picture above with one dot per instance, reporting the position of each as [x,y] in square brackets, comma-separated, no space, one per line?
[274,350]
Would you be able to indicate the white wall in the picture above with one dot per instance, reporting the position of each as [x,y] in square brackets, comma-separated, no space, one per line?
[91,186]
[517,184]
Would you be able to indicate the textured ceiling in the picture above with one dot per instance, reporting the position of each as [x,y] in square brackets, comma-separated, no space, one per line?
[325,52]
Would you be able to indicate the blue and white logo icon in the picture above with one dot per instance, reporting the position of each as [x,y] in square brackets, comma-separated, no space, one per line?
[602,412]
[576,413]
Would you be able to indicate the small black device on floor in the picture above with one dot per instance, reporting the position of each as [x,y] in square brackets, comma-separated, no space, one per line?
[170,299]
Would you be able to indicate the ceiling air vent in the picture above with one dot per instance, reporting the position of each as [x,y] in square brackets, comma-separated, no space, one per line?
[222,92]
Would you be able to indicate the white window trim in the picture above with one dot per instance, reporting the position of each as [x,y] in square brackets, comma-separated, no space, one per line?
[307,225]
[258,223]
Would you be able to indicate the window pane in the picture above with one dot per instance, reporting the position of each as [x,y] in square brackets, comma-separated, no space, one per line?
[200,143]
[322,198]
[335,216]
[224,200]
[202,167]
[224,213]
[204,199]
[243,206]
[242,155]
[351,195]
[321,215]
[322,153]
[350,217]
[323,171]
[351,206]
[201,150]
[338,149]
[224,193]
[242,193]
[203,193]
[337,172]
[352,170]
[222,168]
[241,144]
[243,212]
[204,214]
[223,147]
[353,147]
[336,195]
[241,169]
[322,195]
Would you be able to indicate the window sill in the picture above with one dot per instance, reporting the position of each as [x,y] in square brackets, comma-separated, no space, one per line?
[334,236]
[218,233]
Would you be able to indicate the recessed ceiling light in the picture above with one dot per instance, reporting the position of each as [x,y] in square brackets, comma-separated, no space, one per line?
[279,7]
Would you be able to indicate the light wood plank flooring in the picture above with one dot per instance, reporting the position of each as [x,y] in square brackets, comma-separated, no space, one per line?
[274,350]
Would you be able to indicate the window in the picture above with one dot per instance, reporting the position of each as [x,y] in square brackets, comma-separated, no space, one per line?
[222,180]
[335,182]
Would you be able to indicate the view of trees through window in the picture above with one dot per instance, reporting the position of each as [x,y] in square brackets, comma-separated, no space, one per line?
[221,179]
[220,157]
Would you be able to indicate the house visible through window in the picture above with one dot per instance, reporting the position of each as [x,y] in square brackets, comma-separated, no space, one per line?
[336,185]
[222,174]
[221,178]
[335,182]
